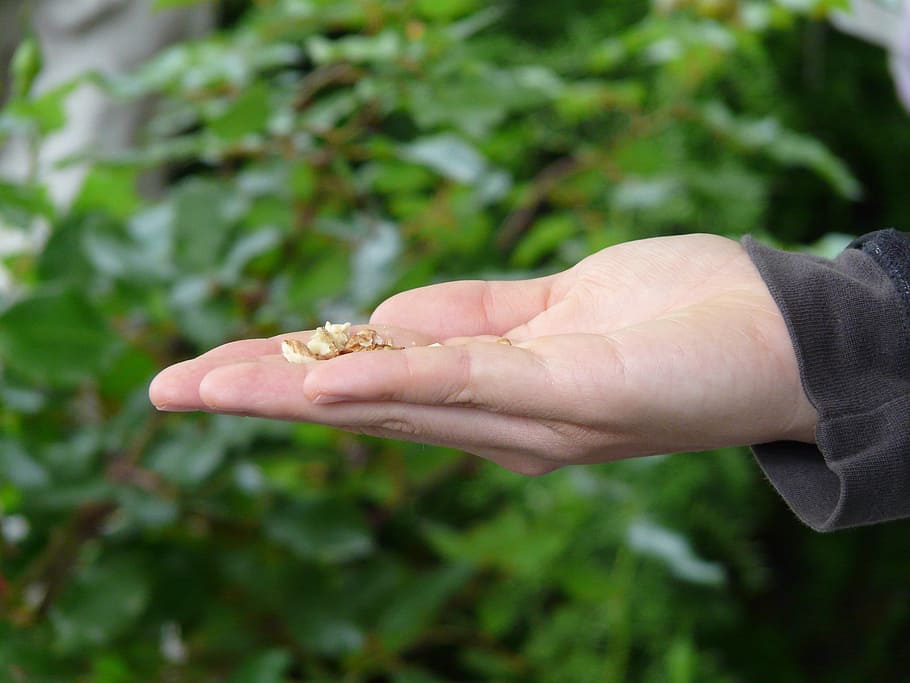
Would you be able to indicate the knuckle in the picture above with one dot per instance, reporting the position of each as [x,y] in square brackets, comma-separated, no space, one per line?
[386,428]
[463,390]
[560,443]
[397,425]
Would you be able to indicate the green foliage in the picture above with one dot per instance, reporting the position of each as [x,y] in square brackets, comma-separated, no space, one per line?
[323,154]
[25,66]
[56,338]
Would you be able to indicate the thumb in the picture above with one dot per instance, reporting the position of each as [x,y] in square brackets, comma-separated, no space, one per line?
[466,308]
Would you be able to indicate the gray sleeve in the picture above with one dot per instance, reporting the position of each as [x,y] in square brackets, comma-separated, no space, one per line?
[849,320]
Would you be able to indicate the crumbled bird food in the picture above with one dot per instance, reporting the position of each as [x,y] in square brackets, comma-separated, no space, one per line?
[296,351]
[333,340]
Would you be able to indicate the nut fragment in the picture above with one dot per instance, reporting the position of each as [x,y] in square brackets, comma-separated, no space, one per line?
[337,332]
[365,340]
[503,340]
[333,340]
[296,351]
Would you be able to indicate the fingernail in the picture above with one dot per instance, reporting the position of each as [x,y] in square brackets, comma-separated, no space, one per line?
[165,408]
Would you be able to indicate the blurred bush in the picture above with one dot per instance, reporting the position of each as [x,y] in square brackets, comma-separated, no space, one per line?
[323,154]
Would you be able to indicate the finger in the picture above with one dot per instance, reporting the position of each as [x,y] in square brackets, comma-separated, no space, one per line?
[495,377]
[572,378]
[513,459]
[176,387]
[249,388]
[467,308]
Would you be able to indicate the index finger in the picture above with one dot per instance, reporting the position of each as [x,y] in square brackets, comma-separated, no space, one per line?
[495,377]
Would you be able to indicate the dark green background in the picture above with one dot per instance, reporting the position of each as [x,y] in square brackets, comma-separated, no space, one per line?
[367,146]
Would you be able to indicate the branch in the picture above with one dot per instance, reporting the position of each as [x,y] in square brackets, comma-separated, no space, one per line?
[517,222]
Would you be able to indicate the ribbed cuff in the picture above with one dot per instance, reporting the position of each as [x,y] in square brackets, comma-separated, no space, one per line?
[850,328]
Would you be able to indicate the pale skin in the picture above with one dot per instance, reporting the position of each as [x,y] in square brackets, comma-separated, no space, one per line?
[655,346]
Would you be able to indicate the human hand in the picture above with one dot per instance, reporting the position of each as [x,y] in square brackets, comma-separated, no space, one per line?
[654,346]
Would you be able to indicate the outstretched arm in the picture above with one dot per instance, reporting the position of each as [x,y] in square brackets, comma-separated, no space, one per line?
[655,346]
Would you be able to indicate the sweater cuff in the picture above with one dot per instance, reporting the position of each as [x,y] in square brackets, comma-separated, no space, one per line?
[849,321]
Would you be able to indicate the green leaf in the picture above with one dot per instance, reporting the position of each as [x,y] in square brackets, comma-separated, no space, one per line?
[246,115]
[587,99]
[394,176]
[674,551]
[19,468]
[449,155]
[99,605]
[416,676]
[303,181]
[328,112]
[505,605]
[110,668]
[21,399]
[131,368]
[139,510]
[19,204]
[543,239]
[325,279]
[204,213]
[644,193]
[188,457]
[111,189]
[63,259]
[658,154]
[119,256]
[788,147]
[373,263]
[325,530]
[244,250]
[322,627]
[445,10]
[25,66]
[45,113]
[408,615]
[472,108]
[681,662]
[172,4]
[267,667]
[56,338]
[512,541]
[382,47]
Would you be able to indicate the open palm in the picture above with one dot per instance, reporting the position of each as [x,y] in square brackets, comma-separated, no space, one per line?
[670,344]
